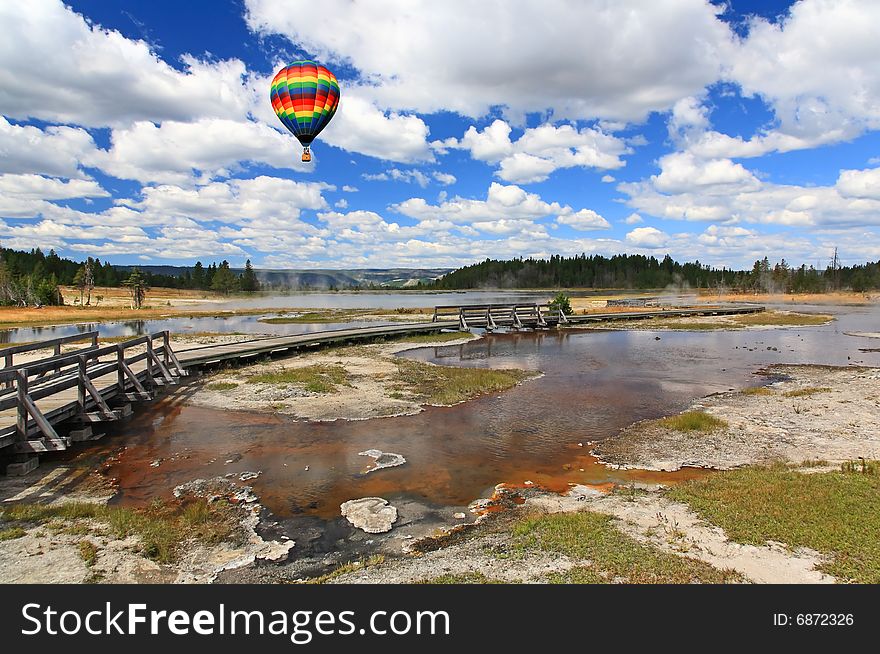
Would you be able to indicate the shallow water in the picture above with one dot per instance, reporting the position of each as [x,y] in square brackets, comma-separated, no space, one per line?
[134,328]
[594,384]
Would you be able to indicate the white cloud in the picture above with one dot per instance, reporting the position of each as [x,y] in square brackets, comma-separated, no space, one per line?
[681,172]
[541,150]
[56,151]
[816,68]
[647,237]
[57,67]
[607,179]
[234,201]
[179,153]
[508,202]
[633,219]
[360,126]
[583,220]
[341,204]
[581,60]
[859,183]
[446,179]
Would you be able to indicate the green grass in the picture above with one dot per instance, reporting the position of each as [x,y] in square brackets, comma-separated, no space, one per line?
[162,528]
[699,421]
[319,378]
[440,337]
[316,317]
[445,385]
[88,552]
[805,392]
[11,533]
[836,513]
[757,390]
[780,318]
[345,568]
[221,386]
[613,556]
[463,578]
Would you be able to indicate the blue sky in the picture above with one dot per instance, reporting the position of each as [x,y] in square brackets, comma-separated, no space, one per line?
[142,132]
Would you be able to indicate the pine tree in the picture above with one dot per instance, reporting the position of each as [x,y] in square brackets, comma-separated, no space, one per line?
[137,287]
[249,281]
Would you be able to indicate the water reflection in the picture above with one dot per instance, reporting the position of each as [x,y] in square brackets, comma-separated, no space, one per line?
[595,383]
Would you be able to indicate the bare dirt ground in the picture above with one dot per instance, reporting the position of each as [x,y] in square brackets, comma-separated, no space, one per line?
[816,412]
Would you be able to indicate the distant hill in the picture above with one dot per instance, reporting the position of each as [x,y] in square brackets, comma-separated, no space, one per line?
[294,279]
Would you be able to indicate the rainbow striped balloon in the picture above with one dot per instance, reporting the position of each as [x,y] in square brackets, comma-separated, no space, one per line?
[305,96]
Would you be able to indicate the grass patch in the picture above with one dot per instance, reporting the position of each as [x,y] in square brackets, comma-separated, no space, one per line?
[345,568]
[221,386]
[613,556]
[862,467]
[11,533]
[315,317]
[446,385]
[319,378]
[836,513]
[162,528]
[781,318]
[464,578]
[757,390]
[692,421]
[441,337]
[805,392]
[88,552]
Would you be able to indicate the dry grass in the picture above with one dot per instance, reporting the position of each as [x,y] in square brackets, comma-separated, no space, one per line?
[757,390]
[318,378]
[806,392]
[444,385]
[163,528]
[698,421]
[221,386]
[782,318]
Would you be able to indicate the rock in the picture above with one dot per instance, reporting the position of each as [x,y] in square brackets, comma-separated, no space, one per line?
[373,515]
[22,468]
[247,475]
[459,516]
[382,460]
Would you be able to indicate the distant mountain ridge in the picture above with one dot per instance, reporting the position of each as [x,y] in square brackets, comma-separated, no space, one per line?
[315,278]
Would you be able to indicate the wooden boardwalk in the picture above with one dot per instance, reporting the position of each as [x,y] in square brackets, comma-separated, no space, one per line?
[531,316]
[95,384]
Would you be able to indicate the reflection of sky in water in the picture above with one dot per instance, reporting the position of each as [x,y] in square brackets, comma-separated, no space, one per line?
[595,383]
[226,325]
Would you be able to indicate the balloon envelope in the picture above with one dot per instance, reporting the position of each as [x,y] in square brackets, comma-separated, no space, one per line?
[305,96]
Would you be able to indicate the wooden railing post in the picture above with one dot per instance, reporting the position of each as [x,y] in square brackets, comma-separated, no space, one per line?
[166,343]
[120,372]
[21,380]
[150,355]
[8,360]
[81,384]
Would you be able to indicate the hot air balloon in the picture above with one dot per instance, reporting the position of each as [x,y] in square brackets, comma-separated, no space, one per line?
[305,95]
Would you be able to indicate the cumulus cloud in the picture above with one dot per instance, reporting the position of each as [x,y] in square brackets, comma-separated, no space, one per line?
[859,183]
[179,153]
[541,150]
[56,66]
[446,58]
[647,237]
[56,151]
[583,220]
[815,68]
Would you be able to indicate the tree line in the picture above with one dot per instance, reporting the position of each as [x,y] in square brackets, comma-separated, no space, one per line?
[34,278]
[638,271]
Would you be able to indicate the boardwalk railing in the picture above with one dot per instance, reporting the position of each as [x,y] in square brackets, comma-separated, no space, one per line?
[8,353]
[97,373]
[492,316]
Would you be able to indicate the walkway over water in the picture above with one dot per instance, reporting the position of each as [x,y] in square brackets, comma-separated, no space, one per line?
[95,384]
